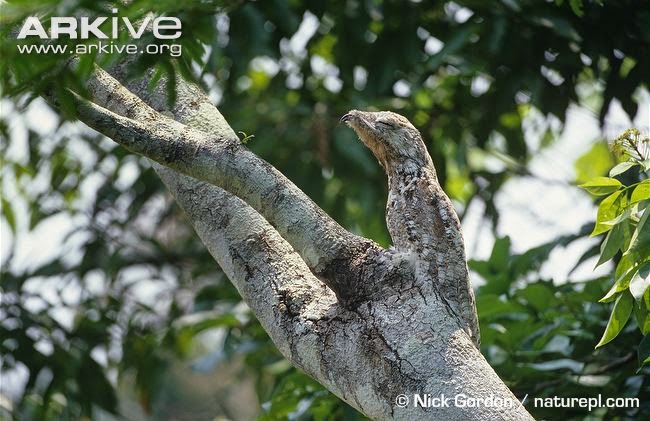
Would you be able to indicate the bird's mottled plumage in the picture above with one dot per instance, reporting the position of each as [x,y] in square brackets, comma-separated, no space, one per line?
[419,215]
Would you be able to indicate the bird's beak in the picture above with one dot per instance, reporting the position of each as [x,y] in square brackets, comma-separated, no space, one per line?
[356,119]
[346,117]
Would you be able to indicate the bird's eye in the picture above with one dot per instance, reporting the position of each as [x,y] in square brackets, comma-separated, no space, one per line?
[385,124]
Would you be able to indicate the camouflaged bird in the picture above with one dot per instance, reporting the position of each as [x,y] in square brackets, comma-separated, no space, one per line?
[420,217]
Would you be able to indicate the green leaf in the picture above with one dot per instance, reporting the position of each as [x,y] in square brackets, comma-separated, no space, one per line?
[618,318]
[623,266]
[500,254]
[627,226]
[601,186]
[642,313]
[643,352]
[495,270]
[612,244]
[622,217]
[645,164]
[596,162]
[540,295]
[641,192]
[621,168]
[490,305]
[610,208]
[640,242]
[621,284]
[9,215]
[640,282]
[576,6]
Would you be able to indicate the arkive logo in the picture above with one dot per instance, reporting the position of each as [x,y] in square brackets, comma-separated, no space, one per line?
[163,27]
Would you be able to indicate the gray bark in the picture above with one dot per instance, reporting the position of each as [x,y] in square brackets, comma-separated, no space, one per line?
[339,307]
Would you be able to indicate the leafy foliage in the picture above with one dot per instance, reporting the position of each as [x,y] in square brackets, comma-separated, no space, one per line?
[467,73]
[623,217]
[539,336]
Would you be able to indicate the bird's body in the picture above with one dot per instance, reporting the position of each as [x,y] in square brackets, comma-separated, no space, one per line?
[420,217]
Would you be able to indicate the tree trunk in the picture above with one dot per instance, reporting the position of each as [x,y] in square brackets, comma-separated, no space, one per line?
[339,307]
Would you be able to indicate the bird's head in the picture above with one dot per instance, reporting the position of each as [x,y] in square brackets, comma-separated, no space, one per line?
[391,137]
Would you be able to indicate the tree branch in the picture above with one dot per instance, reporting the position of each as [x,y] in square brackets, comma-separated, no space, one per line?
[273,280]
[229,164]
[215,154]
[270,276]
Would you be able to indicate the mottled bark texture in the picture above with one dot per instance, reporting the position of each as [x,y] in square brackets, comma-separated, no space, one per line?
[347,312]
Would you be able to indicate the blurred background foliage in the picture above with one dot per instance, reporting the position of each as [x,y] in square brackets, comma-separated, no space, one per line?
[126,315]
